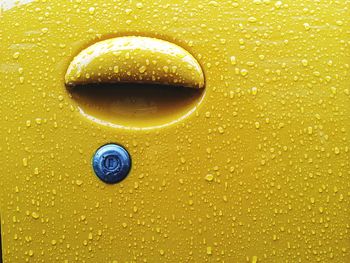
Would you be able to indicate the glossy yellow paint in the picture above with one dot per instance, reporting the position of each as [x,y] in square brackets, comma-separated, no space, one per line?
[258,171]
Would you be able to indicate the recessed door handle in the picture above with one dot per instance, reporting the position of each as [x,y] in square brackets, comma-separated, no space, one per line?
[135,82]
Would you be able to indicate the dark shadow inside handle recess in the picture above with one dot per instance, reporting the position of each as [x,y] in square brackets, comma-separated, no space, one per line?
[135,104]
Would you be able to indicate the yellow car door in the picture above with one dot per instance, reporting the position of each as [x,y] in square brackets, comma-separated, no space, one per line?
[175,131]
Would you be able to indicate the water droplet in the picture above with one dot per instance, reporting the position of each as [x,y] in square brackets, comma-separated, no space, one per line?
[252,19]
[16,55]
[233,60]
[209,250]
[209,177]
[35,215]
[92,10]
[304,62]
[142,69]
[254,90]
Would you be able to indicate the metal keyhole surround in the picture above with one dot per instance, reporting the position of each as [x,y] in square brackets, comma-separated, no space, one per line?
[111,163]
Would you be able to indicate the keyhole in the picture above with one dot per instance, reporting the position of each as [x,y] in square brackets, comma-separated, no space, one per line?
[111,163]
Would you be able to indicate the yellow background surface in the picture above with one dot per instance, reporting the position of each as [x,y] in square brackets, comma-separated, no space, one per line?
[259,172]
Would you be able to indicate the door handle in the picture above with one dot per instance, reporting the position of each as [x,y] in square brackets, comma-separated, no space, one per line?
[135,82]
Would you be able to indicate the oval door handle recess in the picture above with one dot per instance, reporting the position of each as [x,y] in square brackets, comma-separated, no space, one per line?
[134,75]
